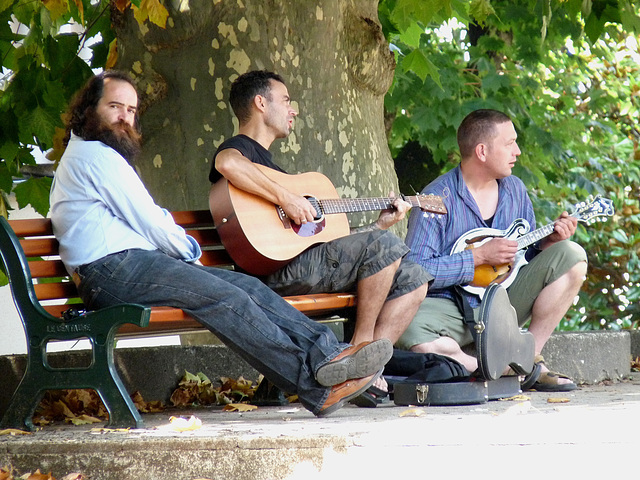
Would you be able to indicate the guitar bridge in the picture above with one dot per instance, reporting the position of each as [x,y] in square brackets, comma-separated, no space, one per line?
[286,221]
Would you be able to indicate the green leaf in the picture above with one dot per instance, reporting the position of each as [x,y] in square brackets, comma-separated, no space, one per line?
[6,179]
[422,11]
[620,236]
[593,27]
[411,36]
[41,123]
[9,151]
[34,191]
[494,82]
[419,64]
[4,4]
[480,10]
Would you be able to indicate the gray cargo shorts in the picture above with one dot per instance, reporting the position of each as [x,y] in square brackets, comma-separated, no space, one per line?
[338,265]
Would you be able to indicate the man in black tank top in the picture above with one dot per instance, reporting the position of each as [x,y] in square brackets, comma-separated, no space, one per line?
[370,261]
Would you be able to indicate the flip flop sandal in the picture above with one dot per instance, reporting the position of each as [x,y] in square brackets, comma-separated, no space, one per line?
[371,398]
[532,378]
[548,382]
[378,392]
[529,379]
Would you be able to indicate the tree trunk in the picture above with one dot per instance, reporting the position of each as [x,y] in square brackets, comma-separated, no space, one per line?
[331,53]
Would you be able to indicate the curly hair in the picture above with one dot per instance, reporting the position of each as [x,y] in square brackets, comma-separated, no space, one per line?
[85,101]
[246,87]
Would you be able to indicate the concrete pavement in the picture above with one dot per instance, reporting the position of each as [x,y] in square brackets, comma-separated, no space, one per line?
[589,433]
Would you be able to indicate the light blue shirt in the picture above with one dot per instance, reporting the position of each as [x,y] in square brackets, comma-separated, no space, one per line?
[99,206]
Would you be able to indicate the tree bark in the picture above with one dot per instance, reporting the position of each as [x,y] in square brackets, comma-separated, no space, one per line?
[332,54]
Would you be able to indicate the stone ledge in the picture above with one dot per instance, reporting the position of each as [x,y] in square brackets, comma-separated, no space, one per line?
[587,357]
[153,371]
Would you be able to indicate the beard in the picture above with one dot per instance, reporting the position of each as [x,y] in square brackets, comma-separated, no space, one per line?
[122,137]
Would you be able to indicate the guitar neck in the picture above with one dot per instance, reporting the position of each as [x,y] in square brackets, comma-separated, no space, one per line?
[532,237]
[538,234]
[348,205]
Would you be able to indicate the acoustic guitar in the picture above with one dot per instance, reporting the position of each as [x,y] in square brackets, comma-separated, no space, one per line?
[261,239]
[505,274]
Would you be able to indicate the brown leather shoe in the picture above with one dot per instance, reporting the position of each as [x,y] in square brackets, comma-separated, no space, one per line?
[345,391]
[356,361]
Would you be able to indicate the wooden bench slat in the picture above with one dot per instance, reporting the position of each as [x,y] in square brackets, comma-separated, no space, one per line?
[193,217]
[32,227]
[206,238]
[322,302]
[54,291]
[47,268]
[58,309]
[215,258]
[39,247]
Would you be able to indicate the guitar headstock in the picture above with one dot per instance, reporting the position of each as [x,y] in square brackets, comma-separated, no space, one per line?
[431,203]
[596,208]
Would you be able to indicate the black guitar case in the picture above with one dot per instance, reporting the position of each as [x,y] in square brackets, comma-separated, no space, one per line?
[500,344]
[440,394]
[470,392]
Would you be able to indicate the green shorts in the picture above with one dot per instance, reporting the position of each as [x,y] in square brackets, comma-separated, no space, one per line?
[438,317]
[338,265]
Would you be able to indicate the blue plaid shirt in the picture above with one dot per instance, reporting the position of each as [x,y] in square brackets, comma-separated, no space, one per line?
[431,238]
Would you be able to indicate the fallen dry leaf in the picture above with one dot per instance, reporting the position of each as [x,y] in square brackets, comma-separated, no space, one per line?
[84,420]
[13,432]
[239,407]
[38,476]
[144,406]
[109,430]
[635,364]
[413,412]
[74,476]
[199,390]
[516,398]
[180,424]
[557,400]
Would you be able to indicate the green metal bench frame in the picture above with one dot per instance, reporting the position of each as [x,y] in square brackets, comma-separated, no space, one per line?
[42,325]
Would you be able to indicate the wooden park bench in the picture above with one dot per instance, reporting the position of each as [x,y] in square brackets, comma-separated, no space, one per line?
[48,304]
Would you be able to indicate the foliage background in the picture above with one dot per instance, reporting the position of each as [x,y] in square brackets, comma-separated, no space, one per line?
[564,70]
[567,75]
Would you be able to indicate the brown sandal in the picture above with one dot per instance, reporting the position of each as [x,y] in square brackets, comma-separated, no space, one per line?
[548,381]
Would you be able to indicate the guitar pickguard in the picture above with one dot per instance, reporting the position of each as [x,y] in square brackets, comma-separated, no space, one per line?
[485,275]
[308,229]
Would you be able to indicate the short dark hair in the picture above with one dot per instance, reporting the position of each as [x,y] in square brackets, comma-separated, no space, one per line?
[86,100]
[478,127]
[246,87]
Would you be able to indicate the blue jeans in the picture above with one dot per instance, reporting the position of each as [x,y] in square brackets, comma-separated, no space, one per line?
[272,336]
